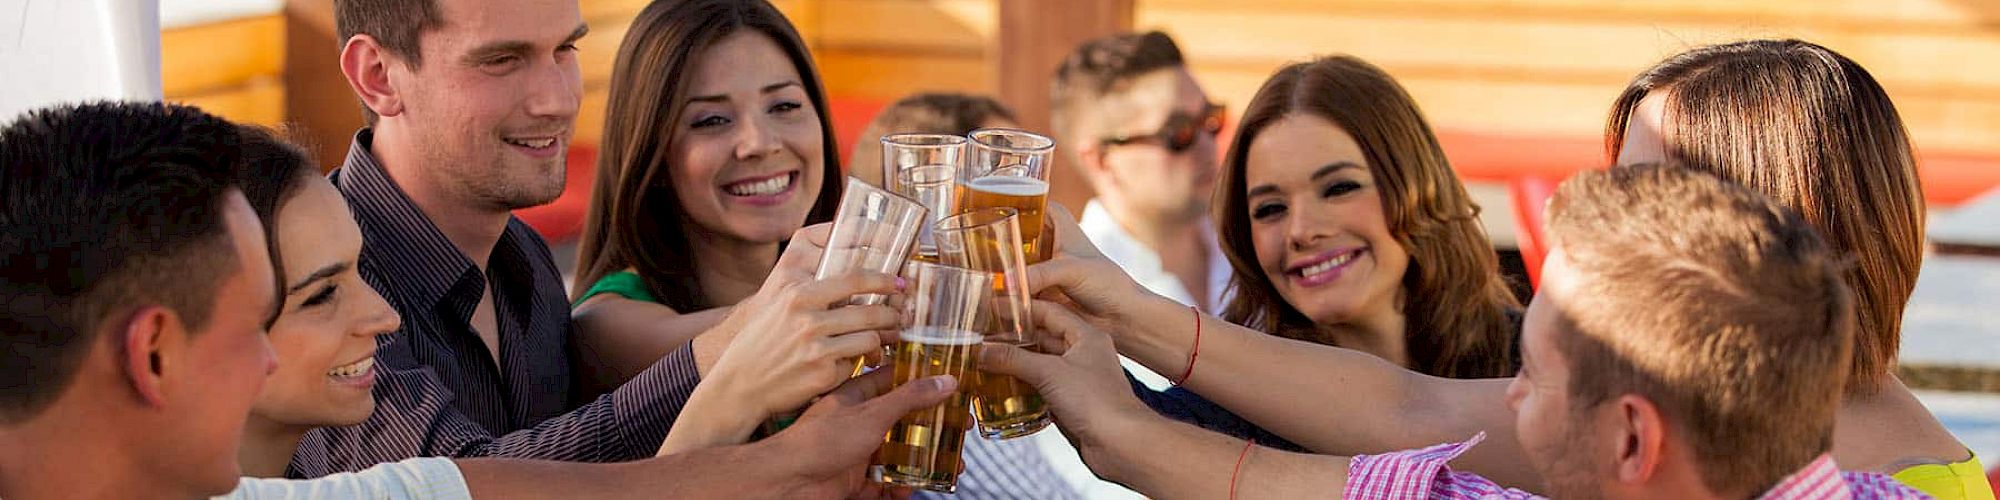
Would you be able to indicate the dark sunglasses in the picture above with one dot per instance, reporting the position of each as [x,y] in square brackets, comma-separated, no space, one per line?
[1180,131]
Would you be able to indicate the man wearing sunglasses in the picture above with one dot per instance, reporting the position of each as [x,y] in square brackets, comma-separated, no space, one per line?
[1132,119]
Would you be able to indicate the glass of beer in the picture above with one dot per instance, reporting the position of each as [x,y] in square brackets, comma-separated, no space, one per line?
[947,308]
[1010,168]
[989,240]
[932,186]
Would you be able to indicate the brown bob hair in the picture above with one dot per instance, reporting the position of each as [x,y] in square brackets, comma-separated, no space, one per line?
[1461,315]
[635,221]
[1815,132]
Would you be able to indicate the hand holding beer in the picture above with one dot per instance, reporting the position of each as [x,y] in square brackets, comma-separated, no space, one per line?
[1082,380]
[949,306]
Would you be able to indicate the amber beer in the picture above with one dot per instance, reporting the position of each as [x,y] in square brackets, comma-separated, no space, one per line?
[923,449]
[1026,195]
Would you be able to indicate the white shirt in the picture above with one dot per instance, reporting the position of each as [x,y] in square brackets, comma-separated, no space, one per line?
[1143,264]
[430,478]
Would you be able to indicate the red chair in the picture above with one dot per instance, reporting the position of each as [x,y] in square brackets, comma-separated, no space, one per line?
[1531,196]
[561,221]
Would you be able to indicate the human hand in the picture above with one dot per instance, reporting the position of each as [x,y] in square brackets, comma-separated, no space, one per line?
[1081,277]
[828,450]
[1083,384]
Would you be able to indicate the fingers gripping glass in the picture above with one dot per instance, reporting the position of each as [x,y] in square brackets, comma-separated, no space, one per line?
[1180,132]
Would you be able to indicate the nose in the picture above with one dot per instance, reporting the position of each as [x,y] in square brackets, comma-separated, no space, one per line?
[381,319]
[556,90]
[1307,225]
[755,137]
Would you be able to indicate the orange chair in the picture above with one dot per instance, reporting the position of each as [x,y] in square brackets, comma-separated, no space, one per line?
[1531,196]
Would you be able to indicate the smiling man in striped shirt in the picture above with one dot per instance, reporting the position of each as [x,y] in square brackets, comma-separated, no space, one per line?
[1689,342]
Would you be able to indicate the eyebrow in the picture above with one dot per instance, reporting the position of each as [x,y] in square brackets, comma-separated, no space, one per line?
[517,46]
[322,274]
[1327,170]
[766,90]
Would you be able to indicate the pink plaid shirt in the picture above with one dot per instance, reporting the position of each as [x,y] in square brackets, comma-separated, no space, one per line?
[1423,474]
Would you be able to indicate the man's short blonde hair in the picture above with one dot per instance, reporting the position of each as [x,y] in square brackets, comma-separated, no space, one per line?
[1717,304]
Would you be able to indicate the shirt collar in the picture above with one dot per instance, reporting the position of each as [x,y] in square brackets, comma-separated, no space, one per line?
[1819,479]
[1143,264]
[395,231]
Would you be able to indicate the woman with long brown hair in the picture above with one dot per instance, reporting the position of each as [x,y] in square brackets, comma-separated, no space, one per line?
[717,149]
[1813,130]
[1346,227]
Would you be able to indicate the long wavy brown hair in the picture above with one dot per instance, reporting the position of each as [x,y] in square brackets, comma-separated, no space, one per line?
[1461,317]
[635,219]
[1813,130]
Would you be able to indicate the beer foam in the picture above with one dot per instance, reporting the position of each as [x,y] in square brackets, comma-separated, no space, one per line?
[937,335]
[1010,186]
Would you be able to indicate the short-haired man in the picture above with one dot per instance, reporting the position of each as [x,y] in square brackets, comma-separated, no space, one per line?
[1688,343]
[470,105]
[1131,117]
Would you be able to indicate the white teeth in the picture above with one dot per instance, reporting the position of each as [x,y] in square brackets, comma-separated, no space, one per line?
[1328,265]
[532,143]
[355,369]
[770,186]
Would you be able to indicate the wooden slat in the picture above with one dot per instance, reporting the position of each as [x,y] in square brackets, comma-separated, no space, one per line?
[1913,15]
[597,52]
[260,101]
[957,25]
[594,10]
[214,56]
[889,76]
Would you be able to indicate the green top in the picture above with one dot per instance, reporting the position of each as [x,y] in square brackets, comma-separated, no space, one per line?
[623,284]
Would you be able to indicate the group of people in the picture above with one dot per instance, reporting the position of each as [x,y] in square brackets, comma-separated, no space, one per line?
[191,309]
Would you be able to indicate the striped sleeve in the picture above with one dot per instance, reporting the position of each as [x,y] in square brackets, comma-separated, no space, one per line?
[1420,474]
[413,479]
[414,417]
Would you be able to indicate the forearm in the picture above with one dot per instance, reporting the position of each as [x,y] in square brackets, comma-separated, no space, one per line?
[711,418]
[1334,400]
[726,472]
[617,338]
[1165,459]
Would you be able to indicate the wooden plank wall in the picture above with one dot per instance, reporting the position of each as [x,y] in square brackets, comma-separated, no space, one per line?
[1551,68]
[233,68]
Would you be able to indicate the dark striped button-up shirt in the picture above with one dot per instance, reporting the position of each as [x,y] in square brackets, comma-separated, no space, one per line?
[438,390]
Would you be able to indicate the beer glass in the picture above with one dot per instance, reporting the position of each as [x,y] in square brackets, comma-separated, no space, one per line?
[988,240]
[922,167]
[947,308]
[1010,168]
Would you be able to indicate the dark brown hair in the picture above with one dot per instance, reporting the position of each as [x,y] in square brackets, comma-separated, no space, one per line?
[635,219]
[925,113]
[1098,68]
[1814,131]
[396,25]
[273,170]
[105,208]
[1460,312]
[1718,305]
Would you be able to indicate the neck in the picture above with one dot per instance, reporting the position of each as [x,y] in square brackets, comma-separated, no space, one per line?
[267,447]
[730,269]
[1176,238]
[1381,335]
[45,459]
[472,227]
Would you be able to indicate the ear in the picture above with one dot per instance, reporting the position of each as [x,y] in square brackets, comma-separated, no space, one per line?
[1642,433]
[366,65]
[152,339]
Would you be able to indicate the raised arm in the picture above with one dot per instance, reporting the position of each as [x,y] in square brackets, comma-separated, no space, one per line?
[1327,399]
[617,337]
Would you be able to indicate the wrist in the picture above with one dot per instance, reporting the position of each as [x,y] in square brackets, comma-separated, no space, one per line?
[714,417]
[1114,451]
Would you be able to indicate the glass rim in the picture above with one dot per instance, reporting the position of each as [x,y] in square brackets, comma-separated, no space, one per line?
[919,140]
[854,183]
[1042,144]
[998,215]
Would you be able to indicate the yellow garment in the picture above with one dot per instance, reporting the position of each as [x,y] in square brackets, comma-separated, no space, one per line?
[1955,481]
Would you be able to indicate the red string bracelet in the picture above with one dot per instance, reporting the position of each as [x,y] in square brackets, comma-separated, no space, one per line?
[1247,445]
[1193,354]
